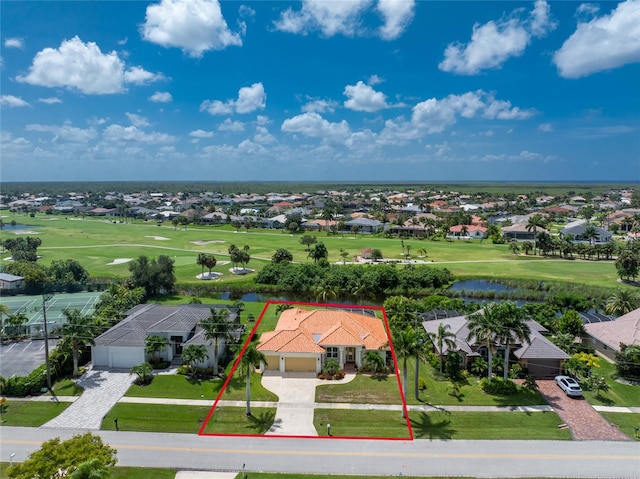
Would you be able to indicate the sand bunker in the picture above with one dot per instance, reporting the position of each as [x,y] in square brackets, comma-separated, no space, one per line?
[202,243]
[25,232]
[119,261]
[241,270]
[159,238]
[207,275]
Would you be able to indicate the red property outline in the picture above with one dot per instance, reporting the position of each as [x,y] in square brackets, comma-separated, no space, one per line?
[317,305]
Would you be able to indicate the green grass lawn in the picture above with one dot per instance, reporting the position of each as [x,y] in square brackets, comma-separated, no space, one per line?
[120,472]
[66,387]
[618,395]
[96,242]
[441,425]
[187,419]
[625,421]
[182,387]
[385,390]
[155,418]
[31,413]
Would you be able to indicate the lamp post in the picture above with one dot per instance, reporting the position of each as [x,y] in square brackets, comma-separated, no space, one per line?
[46,297]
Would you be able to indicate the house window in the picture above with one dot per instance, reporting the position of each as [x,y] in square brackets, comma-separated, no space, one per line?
[332,352]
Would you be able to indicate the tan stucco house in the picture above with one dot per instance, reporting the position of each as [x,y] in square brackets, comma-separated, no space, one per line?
[304,340]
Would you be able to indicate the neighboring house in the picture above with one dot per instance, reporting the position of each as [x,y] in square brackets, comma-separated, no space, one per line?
[467,232]
[305,339]
[123,346]
[539,357]
[519,232]
[365,225]
[577,233]
[607,336]
[10,282]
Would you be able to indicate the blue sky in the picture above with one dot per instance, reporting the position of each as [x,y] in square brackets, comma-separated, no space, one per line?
[320,90]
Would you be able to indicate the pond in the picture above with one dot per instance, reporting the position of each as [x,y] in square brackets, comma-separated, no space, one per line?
[481,285]
[10,227]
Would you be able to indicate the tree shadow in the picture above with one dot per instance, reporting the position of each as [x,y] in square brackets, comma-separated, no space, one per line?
[262,422]
[432,425]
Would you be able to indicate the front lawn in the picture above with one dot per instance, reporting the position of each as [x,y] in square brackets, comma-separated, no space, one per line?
[66,387]
[618,395]
[187,419]
[232,420]
[176,386]
[625,421]
[31,413]
[441,425]
[439,391]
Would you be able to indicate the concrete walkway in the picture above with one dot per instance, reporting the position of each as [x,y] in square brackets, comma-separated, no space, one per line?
[102,390]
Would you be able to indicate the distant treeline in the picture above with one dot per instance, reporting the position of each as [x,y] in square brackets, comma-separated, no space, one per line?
[263,187]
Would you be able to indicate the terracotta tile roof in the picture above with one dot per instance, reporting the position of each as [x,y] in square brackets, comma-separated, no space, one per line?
[301,330]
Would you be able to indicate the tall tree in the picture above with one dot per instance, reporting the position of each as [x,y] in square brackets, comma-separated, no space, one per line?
[406,344]
[250,359]
[535,222]
[444,337]
[512,327]
[77,334]
[218,329]
[200,261]
[192,355]
[483,326]
[4,309]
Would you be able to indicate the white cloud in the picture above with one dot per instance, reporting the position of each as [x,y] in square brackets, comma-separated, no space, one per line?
[374,80]
[263,136]
[194,26]
[201,134]
[262,120]
[117,133]
[137,120]
[320,106]
[50,101]
[65,132]
[434,116]
[524,155]
[604,43]
[313,125]
[161,97]
[545,127]
[397,15]
[12,101]
[364,98]
[14,42]
[229,125]
[139,76]
[249,99]
[345,17]
[495,42]
[82,66]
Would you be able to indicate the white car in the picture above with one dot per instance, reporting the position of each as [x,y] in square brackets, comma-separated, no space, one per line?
[569,385]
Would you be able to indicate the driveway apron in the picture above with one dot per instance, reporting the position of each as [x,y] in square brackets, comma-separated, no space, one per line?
[102,390]
[296,393]
[584,422]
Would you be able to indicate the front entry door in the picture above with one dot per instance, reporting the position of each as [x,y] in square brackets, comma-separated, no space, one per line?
[350,355]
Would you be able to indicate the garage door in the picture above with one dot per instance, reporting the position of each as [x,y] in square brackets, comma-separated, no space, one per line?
[126,357]
[273,362]
[541,368]
[300,365]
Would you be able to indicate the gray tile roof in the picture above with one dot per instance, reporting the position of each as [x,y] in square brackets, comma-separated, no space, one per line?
[146,319]
[540,348]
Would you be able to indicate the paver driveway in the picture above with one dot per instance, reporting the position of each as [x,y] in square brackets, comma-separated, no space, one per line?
[584,422]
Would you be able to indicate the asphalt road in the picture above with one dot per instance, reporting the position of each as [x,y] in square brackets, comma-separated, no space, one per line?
[582,459]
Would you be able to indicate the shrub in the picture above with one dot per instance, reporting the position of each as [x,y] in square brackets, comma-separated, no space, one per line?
[422,384]
[183,370]
[498,386]
[32,384]
[144,374]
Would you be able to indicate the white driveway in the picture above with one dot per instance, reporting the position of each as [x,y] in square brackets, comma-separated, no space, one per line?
[297,396]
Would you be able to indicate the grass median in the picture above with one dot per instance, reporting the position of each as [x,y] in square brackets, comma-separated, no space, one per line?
[187,419]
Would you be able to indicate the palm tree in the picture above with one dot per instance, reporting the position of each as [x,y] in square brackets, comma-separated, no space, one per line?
[535,222]
[482,326]
[200,261]
[444,337]
[217,328]
[512,326]
[250,359]
[623,301]
[192,355]
[405,344]
[421,351]
[374,361]
[77,334]
[91,469]
[154,345]
[4,309]
[324,292]
[590,234]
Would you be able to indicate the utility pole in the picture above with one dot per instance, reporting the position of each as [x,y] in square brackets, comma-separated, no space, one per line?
[46,297]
